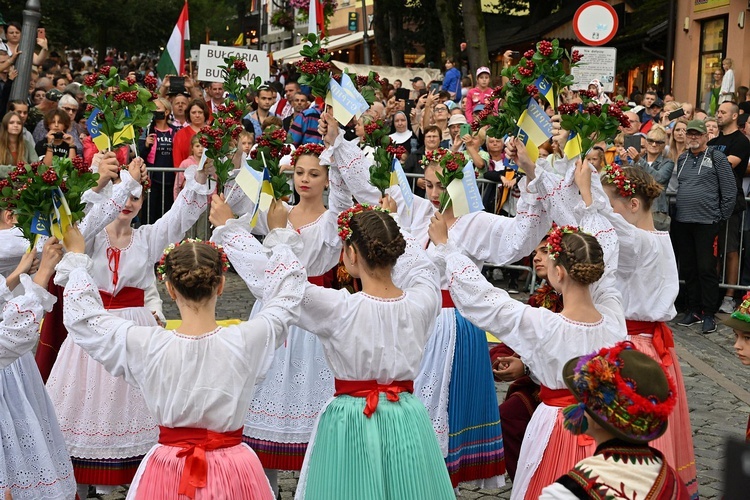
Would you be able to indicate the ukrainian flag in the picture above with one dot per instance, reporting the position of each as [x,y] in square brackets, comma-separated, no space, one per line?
[545,88]
[534,128]
[573,147]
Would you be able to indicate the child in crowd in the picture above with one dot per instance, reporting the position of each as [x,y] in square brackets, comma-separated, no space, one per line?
[246,140]
[196,152]
[373,440]
[200,452]
[624,398]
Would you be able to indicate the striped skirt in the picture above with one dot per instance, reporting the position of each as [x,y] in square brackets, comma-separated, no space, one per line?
[475,441]
[392,455]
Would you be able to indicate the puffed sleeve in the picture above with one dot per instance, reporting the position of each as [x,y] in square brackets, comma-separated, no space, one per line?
[19,330]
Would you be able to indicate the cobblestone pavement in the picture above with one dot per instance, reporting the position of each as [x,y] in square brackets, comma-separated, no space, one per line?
[715,381]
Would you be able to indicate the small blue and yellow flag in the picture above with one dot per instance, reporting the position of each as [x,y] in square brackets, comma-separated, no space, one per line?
[573,147]
[398,178]
[251,182]
[545,88]
[464,193]
[102,141]
[40,224]
[62,218]
[345,100]
[534,128]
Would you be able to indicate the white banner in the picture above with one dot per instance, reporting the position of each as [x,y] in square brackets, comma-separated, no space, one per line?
[598,63]
[211,57]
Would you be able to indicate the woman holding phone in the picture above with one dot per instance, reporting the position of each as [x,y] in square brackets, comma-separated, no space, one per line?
[155,146]
[13,32]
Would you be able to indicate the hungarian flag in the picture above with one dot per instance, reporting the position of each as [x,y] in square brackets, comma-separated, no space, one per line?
[315,18]
[172,60]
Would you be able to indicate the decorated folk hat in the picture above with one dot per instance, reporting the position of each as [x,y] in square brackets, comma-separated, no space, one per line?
[740,319]
[624,390]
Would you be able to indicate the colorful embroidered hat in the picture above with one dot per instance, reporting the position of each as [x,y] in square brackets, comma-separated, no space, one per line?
[624,390]
[740,319]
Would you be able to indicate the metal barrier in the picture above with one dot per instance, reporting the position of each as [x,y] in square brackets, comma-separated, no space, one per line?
[202,228]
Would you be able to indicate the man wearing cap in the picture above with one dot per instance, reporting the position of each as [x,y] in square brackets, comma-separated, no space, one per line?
[479,94]
[624,399]
[706,195]
[648,99]
[417,84]
[651,114]
[468,144]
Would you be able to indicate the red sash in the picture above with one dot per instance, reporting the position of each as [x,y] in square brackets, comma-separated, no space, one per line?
[127,297]
[561,398]
[663,339]
[194,443]
[325,280]
[447,299]
[371,390]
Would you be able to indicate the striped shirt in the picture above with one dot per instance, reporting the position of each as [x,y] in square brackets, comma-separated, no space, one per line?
[304,128]
[707,190]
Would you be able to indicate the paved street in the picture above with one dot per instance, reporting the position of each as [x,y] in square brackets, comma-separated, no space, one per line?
[715,380]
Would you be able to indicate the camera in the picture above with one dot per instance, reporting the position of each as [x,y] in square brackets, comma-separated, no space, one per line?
[58,135]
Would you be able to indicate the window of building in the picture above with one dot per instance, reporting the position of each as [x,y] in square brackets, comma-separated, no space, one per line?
[713,45]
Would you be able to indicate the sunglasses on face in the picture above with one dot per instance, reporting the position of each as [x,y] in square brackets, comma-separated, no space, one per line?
[654,141]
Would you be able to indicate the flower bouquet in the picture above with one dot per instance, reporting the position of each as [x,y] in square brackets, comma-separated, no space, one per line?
[591,122]
[367,85]
[314,67]
[282,19]
[269,150]
[117,109]
[452,166]
[377,137]
[219,137]
[539,72]
[45,199]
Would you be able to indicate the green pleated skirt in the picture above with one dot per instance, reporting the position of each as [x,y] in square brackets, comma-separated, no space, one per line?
[393,455]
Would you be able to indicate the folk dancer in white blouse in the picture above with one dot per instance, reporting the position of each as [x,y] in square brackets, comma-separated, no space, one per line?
[373,440]
[197,380]
[582,267]
[455,380]
[34,462]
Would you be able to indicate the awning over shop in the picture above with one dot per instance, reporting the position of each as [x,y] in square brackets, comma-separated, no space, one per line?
[391,72]
[335,42]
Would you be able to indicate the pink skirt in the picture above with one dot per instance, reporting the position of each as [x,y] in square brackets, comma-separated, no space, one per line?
[677,443]
[564,450]
[233,472]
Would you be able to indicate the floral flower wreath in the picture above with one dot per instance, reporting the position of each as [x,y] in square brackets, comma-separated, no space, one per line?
[435,156]
[614,174]
[554,239]
[601,388]
[345,217]
[161,269]
[306,149]
[145,183]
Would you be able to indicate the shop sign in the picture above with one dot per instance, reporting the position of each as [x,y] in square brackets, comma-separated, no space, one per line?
[701,5]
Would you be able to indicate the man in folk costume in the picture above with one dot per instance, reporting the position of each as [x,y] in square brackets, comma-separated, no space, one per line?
[624,399]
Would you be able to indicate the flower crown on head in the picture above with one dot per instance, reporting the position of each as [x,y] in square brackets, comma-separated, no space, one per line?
[614,174]
[145,183]
[161,269]
[435,156]
[345,217]
[306,149]
[554,239]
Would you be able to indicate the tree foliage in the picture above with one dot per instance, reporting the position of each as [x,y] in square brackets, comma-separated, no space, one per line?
[130,25]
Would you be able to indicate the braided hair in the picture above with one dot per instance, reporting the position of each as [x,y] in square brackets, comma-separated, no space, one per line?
[582,256]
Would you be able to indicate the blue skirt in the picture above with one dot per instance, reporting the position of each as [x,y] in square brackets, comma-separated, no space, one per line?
[475,442]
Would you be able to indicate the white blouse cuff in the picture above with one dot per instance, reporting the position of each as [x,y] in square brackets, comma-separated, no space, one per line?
[5,293]
[284,236]
[326,157]
[131,185]
[193,185]
[91,197]
[69,263]
[230,225]
[46,299]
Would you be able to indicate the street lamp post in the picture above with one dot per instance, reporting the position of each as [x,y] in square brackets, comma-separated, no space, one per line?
[31,16]
[365,37]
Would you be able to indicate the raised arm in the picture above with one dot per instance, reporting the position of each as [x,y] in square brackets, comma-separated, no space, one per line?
[105,210]
[354,167]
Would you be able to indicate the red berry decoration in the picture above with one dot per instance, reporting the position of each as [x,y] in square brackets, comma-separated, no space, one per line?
[545,48]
